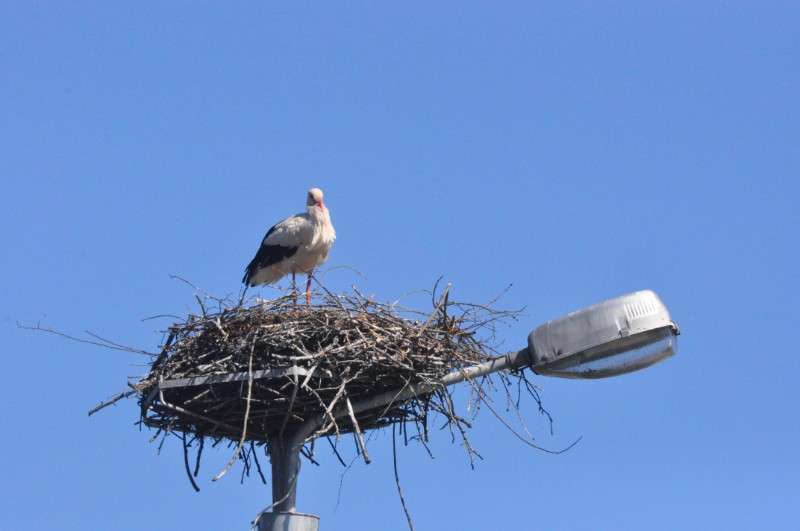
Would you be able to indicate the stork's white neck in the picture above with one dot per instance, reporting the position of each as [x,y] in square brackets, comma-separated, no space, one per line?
[319,213]
[321,218]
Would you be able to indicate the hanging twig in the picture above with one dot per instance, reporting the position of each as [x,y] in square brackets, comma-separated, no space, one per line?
[186,463]
[358,431]
[246,418]
[397,480]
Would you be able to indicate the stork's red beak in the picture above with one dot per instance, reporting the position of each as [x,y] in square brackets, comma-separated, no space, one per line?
[319,203]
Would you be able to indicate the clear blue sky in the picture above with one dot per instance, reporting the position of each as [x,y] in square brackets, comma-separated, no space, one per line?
[579,152]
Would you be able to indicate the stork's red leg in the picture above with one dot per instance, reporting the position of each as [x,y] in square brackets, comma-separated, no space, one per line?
[308,290]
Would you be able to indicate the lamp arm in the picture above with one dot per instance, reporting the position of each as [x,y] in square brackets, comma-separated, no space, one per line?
[513,360]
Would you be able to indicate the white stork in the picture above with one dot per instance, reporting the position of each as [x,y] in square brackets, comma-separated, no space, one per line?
[297,244]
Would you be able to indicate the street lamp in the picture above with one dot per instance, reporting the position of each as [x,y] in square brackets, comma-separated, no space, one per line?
[614,337]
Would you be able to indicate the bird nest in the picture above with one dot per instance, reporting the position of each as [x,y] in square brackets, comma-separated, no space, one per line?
[256,369]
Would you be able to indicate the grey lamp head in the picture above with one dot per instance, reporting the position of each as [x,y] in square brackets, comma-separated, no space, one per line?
[614,337]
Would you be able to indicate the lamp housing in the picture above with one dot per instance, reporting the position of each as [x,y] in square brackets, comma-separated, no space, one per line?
[614,337]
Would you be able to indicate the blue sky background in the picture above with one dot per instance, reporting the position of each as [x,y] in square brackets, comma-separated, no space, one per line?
[580,152]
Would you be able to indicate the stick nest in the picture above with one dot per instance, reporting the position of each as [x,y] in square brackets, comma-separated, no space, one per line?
[248,371]
[291,361]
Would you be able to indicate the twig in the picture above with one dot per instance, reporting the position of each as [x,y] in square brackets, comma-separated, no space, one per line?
[335,451]
[246,417]
[103,343]
[186,463]
[358,431]
[442,301]
[113,400]
[397,479]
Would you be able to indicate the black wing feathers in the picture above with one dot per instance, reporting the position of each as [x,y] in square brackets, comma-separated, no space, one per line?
[266,256]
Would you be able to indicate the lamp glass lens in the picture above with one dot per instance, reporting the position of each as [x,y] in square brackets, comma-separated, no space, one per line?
[617,357]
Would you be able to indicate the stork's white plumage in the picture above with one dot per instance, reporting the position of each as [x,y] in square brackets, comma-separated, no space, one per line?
[297,244]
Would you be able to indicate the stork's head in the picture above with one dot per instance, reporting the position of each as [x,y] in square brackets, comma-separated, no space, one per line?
[314,198]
